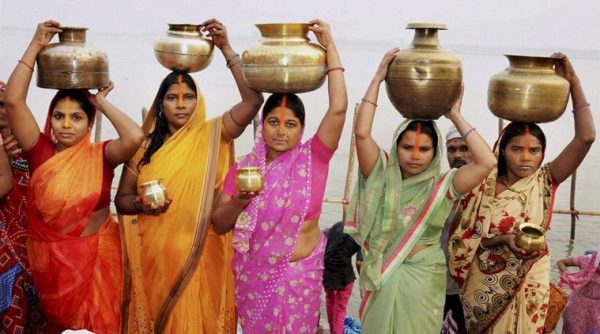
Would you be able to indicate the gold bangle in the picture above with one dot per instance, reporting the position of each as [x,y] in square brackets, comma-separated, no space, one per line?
[27,65]
[369,102]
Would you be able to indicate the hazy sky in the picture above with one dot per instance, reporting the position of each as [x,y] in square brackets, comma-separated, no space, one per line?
[504,23]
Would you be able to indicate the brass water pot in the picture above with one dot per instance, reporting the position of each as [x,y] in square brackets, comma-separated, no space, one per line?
[71,64]
[529,90]
[183,48]
[249,179]
[424,81]
[153,192]
[530,237]
[285,61]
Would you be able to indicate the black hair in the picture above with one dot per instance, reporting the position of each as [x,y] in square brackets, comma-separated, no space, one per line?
[426,128]
[160,133]
[82,96]
[293,102]
[516,129]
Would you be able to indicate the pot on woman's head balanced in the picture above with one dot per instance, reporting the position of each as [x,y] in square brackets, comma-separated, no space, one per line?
[183,48]
[285,61]
[529,90]
[71,64]
[424,81]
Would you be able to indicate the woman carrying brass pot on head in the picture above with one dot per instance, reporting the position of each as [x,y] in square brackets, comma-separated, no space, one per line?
[279,248]
[398,212]
[178,268]
[74,246]
[504,288]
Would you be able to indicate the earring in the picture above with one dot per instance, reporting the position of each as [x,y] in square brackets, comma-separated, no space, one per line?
[160,114]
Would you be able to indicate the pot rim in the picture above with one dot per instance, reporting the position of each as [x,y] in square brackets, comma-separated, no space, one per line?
[533,226]
[157,181]
[283,29]
[532,61]
[426,25]
[73,28]
[184,27]
[247,169]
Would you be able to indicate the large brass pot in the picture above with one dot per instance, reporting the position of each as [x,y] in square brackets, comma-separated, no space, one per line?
[183,48]
[285,61]
[530,237]
[423,81]
[529,90]
[71,64]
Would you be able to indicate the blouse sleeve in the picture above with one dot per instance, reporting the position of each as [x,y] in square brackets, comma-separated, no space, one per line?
[582,260]
[229,186]
[133,164]
[320,150]
[40,152]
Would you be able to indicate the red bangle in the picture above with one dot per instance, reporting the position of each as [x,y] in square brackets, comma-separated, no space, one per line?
[237,204]
[335,69]
[464,137]
[24,63]
[579,107]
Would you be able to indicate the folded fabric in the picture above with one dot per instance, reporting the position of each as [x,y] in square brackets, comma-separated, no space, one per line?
[7,280]
[352,326]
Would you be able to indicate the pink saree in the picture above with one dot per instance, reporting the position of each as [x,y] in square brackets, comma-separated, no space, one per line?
[272,294]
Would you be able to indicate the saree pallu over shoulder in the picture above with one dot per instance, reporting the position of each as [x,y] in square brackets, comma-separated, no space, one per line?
[265,236]
[78,279]
[375,211]
[178,270]
[390,215]
[494,283]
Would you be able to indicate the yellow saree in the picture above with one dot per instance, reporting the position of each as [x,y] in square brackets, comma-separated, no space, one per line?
[158,250]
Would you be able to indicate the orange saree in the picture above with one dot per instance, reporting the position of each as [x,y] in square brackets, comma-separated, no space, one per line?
[78,279]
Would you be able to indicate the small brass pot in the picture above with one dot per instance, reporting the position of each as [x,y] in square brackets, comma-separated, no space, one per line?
[184,49]
[153,192]
[71,64]
[529,90]
[285,61]
[530,237]
[249,179]
[424,81]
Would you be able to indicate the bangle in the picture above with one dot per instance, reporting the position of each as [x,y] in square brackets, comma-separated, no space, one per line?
[464,137]
[234,63]
[137,206]
[369,102]
[27,65]
[336,69]
[234,121]
[579,107]
[228,62]
[237,204]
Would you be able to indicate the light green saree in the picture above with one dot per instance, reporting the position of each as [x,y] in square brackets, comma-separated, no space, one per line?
[389,217]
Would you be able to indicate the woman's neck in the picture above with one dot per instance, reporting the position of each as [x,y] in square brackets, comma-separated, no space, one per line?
[272,155]
[60,147]
[508,179]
